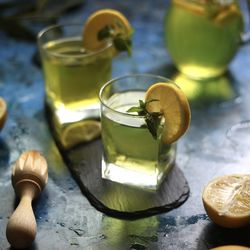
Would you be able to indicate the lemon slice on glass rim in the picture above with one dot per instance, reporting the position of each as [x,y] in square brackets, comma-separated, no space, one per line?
[174,106]
[3,112]
[98,21]
[79,132]
[226,200]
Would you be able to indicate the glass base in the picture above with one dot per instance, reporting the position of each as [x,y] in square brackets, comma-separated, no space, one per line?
[64,115]
[72,127]
[131,177]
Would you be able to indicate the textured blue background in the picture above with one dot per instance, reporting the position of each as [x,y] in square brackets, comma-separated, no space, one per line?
[65,218]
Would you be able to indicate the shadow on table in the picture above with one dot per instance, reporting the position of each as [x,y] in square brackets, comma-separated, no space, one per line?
[4,154]
[32,247]
[203,93]
[214,236]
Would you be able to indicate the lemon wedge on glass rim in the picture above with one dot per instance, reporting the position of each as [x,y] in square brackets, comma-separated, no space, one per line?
[226,200]
[98,21]
[3,112]
[174,106]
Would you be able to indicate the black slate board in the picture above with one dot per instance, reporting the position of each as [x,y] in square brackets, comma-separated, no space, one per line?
[118,200]
[114,199]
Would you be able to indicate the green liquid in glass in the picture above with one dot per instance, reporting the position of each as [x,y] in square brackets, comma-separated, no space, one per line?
[130,150]
[73,80]
[202,38]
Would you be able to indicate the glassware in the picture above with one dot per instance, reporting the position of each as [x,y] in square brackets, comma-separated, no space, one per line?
[73,75]
[202,37]
[131,155]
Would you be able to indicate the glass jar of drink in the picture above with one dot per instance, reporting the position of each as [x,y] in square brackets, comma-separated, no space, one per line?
[202,36]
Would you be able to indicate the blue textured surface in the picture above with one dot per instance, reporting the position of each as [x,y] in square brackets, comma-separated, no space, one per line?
[65,218]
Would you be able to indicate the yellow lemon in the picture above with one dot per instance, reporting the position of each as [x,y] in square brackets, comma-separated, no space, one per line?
[174,106]
[230,247]
[3,112]
[79,132]
[99,20]
[227,200]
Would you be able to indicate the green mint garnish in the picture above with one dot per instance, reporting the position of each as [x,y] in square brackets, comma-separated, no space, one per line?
[105,33]
[121,42]
[152,120]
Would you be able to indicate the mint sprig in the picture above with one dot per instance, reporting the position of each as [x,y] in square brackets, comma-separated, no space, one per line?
[121,41]
[152,120]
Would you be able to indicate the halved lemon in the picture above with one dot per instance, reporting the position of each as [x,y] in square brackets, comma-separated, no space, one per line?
[79,132]
[3,112]
[230,247]
[227,200]
[99,20]
[174,106]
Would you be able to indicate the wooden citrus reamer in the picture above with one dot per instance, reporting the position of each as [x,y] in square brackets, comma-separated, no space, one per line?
[29,176]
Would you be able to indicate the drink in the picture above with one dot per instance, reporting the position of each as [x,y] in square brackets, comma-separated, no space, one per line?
[130,148]
[77,60]
[72,79]
[73,75]
[131,155]
[202,38]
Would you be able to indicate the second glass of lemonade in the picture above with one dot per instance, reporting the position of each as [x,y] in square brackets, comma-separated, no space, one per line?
[73,75]
[131,155]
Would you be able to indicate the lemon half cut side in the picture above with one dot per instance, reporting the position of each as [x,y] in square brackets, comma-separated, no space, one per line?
[226,200]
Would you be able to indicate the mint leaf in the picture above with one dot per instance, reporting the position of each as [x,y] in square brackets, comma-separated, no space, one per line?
[152,120]
[134,109]
[105,33]
[121,42]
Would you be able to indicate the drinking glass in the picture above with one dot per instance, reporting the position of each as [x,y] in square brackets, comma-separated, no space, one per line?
[131,155]
[73,75]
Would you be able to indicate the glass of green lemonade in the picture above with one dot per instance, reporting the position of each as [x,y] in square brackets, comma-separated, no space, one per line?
[73,75]
[131,155]
[202,37]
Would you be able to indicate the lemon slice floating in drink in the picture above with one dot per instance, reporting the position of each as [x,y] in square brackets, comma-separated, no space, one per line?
[173,105]
[227,200]
[228,14]
[105,20]
[3,112]
[79,132]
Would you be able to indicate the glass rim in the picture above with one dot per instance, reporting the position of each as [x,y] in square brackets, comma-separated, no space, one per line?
[165,79]
[54,26]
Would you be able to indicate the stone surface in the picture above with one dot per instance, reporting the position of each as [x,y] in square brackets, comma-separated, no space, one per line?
[122,201]
[65,218]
